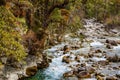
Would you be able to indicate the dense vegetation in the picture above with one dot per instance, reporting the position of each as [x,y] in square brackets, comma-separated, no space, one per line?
[44,18]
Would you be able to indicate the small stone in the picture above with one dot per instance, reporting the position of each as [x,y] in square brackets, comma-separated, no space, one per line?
[98,51]
[90,55]
[77,58]
[81,69]
[112,42]
[118,41]
[83,64]
[68,74]
[108,46]
[113,57]
[103,63]
[111,78]
[99,74]
[78,65]
[66,49]
[66,59]
[99,78]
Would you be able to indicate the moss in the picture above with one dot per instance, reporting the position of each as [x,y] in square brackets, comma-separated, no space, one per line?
[10,43]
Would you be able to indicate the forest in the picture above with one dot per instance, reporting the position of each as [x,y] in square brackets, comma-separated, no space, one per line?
[59,39]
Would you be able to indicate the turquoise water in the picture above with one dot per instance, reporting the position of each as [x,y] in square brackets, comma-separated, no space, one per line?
[39,76]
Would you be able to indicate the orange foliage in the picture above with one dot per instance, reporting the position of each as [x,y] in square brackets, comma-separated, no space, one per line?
[65,13]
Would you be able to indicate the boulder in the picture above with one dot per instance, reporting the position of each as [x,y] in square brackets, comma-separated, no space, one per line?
[83,74]
[30,71]
[68,74]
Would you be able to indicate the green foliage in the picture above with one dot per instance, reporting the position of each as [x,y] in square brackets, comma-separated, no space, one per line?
[10,39]
[56,15]
[102,9]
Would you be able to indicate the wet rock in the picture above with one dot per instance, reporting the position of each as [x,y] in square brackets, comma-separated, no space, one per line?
[90,69]
[111,78]
[77,58]
[49,58]
[80,69]
[98,55]
[118,75]
[78,65]
[90,55]
[66,49]
[99,74]
[83,74]
[113,57]
[114,31]
[83,64]
[66,59]
[99,78]
[98,51]
[30,71]
[68,74]
[108,46]
[118,41]
[44,63]
[112,42]
[103,63]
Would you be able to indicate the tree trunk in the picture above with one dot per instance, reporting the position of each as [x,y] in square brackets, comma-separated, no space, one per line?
[2,2]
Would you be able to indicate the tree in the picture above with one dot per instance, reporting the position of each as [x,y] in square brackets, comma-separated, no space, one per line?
[42,16]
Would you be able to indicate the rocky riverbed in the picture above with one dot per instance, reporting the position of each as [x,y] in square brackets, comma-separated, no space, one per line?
[96,57]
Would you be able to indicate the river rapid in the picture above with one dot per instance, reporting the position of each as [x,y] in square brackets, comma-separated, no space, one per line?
[99,52]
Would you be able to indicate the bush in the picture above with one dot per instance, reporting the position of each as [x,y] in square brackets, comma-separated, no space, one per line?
[10,38]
